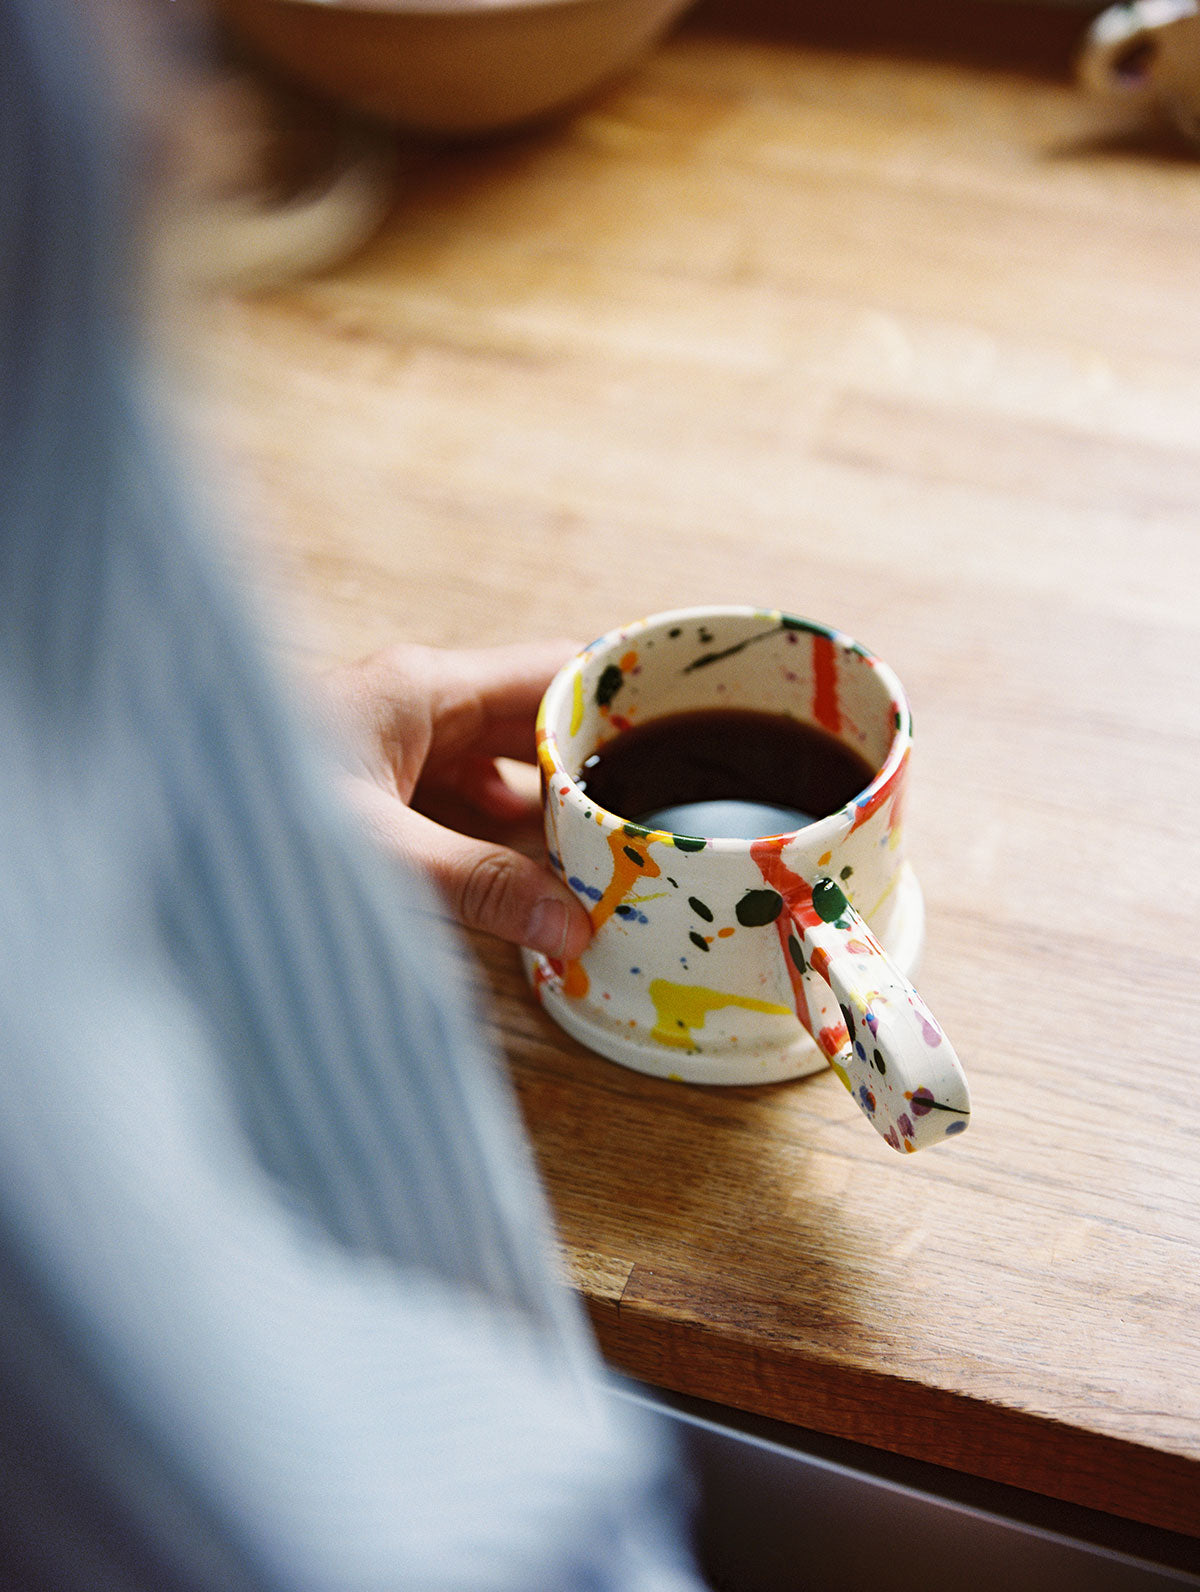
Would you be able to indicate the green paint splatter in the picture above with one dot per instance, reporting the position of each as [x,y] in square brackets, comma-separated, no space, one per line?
[846,872]
[705,658]
[635,831]
[828,901]
[690,842]
[698,940]
[609,683]
[758,907]
[700,909]
[634,856]
[796,952]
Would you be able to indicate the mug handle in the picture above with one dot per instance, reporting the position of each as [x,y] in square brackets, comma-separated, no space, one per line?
[876,1032]
[1122,44]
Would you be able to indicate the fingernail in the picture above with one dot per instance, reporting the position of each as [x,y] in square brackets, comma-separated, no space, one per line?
[547,931]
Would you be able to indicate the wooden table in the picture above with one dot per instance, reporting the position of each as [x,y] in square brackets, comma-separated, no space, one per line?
[909,341]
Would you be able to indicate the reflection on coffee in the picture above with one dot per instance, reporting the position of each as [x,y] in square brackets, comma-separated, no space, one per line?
[724,774]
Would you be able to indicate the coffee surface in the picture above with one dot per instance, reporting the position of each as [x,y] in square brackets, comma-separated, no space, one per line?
[724,773]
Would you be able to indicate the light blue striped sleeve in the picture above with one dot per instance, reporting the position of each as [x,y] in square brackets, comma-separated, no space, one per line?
[230,1382]
[276,1302]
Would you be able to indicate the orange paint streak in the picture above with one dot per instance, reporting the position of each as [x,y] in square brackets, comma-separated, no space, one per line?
[575,981]
[626,872]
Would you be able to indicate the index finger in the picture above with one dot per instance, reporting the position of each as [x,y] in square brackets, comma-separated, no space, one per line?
[486,699]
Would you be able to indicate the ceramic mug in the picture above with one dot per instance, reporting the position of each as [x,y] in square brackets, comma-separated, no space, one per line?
[738,961]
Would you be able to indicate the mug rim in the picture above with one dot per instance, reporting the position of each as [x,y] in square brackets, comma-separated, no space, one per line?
[826,829]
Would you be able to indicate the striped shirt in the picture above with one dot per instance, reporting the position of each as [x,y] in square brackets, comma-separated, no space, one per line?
[276,1309]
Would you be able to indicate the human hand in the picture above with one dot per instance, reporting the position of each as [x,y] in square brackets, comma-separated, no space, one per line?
[425,727]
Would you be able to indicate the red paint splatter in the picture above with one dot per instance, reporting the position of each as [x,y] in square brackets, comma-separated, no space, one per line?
[832,1039]
[797,900]
[799,914]
[826,709]
[892,786]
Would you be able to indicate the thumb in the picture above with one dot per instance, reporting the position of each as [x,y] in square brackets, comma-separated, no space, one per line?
[486,886]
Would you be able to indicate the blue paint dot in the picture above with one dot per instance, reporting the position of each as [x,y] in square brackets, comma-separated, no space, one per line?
[862,1054]
[635,970]
[588,890]
[956,1127]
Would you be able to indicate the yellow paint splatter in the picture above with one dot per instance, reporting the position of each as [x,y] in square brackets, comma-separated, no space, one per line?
[577,703]
[545,753]
[891,885]
[680,1008]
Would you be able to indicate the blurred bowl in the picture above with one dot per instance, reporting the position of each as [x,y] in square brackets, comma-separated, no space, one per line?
[456,67]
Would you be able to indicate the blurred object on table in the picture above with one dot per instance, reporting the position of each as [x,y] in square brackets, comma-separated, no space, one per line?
[457,67]
[1146,54]
[270,184]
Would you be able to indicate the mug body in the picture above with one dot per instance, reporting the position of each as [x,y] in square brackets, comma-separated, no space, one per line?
[701,963]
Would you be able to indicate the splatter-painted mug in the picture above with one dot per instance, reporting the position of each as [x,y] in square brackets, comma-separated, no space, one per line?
[735,961]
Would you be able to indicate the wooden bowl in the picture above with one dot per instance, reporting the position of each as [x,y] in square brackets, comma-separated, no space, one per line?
[456,67]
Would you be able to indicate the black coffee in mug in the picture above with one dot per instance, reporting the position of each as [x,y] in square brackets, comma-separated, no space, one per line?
[724,773]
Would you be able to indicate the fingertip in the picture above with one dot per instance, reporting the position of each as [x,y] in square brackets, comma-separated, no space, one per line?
[558,928]
[579,931]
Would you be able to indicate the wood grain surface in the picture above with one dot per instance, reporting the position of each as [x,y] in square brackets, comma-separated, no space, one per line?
[908,341]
